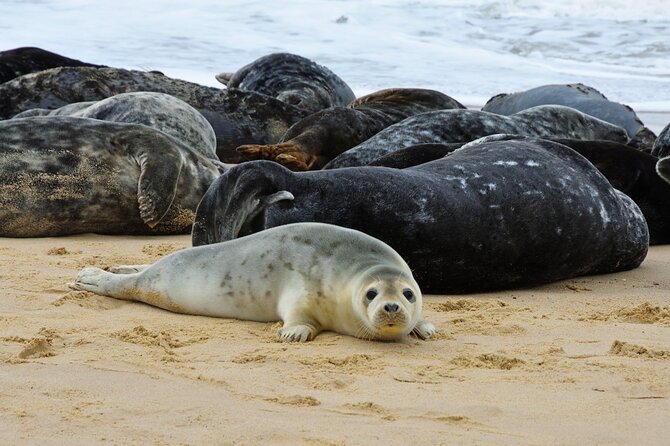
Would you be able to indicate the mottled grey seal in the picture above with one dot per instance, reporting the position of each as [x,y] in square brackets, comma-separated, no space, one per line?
[661,146]
[293,79]
[24,60]
[237,117]
[581,97]
[64,175]
[315,140]
[628,170]
[312,276]
[452,126]
[160,111]
[489,216]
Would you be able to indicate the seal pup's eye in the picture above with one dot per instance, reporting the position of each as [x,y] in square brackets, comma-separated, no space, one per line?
[371,294]
[409,294]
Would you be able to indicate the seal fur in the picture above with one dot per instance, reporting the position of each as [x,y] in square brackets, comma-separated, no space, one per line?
[313,277]
[453,126]
[293,79]
[581,97]
[237,117]
[472,221]
[320,137]
[64,175]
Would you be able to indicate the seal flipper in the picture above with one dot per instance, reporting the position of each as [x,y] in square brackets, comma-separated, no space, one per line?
[157,186]
[663,168]
[290,155]
[160,166]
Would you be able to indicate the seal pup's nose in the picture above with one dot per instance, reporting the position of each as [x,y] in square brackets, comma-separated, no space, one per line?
[391,308]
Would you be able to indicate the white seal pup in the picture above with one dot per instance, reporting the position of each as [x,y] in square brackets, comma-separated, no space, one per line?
[312,276]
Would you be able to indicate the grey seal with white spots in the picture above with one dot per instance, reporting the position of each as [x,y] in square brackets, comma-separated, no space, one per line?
[488,216]
[454,126]
[312,276]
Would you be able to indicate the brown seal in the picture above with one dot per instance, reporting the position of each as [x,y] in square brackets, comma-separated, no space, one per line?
[310,143]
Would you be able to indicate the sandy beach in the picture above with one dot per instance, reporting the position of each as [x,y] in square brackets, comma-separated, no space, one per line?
[583,361]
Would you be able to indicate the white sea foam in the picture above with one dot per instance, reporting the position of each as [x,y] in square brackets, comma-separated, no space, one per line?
[470,50]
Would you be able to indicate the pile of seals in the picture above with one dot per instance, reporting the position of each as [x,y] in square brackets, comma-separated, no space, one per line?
[323,210]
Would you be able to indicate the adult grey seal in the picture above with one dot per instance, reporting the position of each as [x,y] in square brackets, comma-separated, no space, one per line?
[489,216]
[628,170]
[24,60]
[293,79]
[661,146]
[453,126]
[312,276]
[64,175]
[237,117]
[315,140]
[581,97]
[160,111]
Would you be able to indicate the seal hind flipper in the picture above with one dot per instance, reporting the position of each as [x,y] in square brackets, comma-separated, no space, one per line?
[287,154]
[224,78]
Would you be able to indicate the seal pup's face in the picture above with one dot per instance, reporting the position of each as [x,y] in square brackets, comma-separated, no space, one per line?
[388,305]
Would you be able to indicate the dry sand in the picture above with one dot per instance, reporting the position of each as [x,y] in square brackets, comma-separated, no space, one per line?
[584,361]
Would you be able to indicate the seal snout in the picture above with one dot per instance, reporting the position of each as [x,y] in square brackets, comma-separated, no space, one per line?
[391,308]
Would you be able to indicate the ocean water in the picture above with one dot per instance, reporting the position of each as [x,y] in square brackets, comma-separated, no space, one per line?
[470,50]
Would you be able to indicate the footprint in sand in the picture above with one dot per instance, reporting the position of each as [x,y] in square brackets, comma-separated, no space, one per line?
[620,348]
[86,299]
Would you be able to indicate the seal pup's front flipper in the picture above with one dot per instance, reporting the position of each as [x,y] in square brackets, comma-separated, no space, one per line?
[424,330]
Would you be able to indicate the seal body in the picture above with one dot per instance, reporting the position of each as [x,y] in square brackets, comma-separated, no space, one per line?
[628,170]
[318,138]
[453,126]
[489,216]
[64,175]
[312,276]
[663,168]
[160,111]
[581,97]
[661,148]
[293,79]
[237,117]
[25,60]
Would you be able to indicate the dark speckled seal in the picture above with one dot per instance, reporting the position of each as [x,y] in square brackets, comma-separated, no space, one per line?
[661,147]
[581,97]
[24,60]
[237,117]
[293,79]
[488,216]
[317,139]
[63,175]
[460,126]
[629,170]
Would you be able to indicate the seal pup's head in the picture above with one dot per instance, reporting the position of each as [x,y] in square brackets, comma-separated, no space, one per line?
[388,303]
